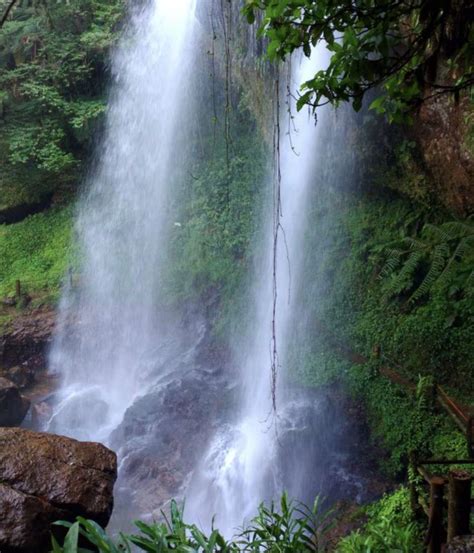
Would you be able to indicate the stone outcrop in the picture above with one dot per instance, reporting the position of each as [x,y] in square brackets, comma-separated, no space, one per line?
[461,544]
[24,345]
[44,478]
[13,406]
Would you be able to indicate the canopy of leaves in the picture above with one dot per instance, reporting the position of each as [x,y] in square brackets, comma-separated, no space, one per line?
[52,64]
[409,48]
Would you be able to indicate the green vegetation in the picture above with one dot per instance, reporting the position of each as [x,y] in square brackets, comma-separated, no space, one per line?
[383,268]
[389,527]
[37,252]
[289,527]
[396,44]
[220,215]
[52,83]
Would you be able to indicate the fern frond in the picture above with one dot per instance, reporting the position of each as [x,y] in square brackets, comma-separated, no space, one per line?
[438,263]
[404,279]
[392,261]
[416,244]
[463,249]
[457,229]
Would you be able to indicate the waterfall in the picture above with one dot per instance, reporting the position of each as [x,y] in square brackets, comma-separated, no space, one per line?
[242,465]
[140,375]
[123,221]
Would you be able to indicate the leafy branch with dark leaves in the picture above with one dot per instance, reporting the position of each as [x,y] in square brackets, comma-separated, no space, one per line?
[407,50]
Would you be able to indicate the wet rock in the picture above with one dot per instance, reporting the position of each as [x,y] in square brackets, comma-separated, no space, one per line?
[163,435]
[44,478]
[442,131]
[27,339]
[21,375]
[41,413]
[13,406]
[461,544]
[83,410]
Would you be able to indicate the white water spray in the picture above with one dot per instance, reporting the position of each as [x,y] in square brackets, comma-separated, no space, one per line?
[241,466]
[123,223]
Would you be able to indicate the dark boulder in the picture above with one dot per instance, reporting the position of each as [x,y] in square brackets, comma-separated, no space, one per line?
[44,478]
[461,544]
[13,406]
[21,375]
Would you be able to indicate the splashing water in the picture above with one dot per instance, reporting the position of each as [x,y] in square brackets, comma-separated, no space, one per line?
[241,467]
[123,222]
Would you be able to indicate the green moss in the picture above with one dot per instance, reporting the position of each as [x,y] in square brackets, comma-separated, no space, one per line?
[37,252]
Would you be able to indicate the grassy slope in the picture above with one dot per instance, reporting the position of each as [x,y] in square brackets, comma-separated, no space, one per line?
[36,251]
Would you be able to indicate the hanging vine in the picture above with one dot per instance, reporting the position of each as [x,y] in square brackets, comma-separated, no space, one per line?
[277,214]
[226,13]
[212,54]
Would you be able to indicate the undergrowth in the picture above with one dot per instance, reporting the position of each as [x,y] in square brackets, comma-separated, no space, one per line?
[36,251]
[285,527]
[389,527]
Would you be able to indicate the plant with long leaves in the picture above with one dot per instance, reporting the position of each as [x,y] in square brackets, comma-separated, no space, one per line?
[292,527]
[382,537]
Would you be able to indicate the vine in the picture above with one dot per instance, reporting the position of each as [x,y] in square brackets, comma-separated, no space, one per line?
[226,13]
[277,213]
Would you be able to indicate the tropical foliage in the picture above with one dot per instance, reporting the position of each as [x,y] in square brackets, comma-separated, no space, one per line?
[442,256]
[389,527]
[37,252]
[289,527]
[395,44]
[52,78]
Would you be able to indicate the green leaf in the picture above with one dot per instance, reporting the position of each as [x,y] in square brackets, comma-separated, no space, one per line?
[71,540]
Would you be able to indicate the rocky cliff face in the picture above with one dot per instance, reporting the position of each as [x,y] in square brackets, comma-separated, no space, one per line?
[445,134]
[44,478]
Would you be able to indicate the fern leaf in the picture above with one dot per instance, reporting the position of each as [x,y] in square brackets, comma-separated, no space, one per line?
[404,279]
[438,263]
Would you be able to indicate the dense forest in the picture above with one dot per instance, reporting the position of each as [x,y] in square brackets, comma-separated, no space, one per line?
[173,234]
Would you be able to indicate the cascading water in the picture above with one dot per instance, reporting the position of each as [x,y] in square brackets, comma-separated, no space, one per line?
[142,377]
[241,467]
[123,223]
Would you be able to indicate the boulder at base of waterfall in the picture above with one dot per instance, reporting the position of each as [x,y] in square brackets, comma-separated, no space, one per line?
[45,478]
[461,544]
[13,406]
